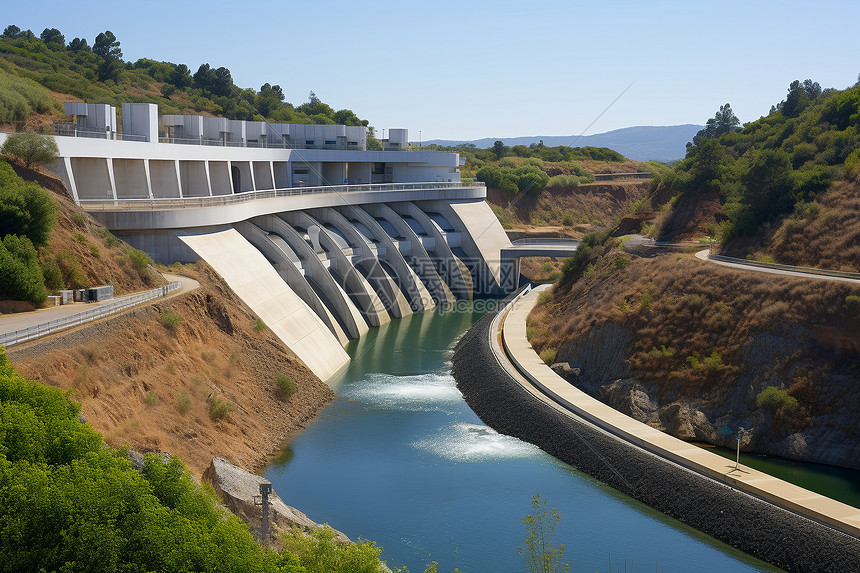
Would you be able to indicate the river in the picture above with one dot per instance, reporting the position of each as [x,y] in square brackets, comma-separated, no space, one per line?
[399,458]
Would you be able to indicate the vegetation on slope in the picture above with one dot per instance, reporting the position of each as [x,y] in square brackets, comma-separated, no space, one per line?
[694,338]
[35,70]
[769,181]
[689,347]
[46,248]
[552,187]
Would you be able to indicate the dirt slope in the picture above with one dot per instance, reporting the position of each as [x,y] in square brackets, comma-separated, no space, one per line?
[152,387]
[688,347]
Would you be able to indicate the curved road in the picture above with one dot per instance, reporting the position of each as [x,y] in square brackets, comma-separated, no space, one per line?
[703,255]
[23,320]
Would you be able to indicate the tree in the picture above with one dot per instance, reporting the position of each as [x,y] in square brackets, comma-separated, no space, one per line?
[181,77]
[222,83]
[499,149]
[30,148]
[107,46]
[79,45]
[539,553]
[53,38]
[204,77]
[725,121]
[12,32]
[800,95]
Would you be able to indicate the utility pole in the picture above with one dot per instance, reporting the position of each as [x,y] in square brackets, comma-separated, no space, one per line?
[265,490]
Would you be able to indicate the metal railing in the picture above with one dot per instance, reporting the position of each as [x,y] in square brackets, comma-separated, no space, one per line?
[805,270]
[32,332]
[613,176]
[238,198]
[74,130]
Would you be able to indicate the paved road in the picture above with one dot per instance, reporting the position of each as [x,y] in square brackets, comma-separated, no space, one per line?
[703,255]
[21,320]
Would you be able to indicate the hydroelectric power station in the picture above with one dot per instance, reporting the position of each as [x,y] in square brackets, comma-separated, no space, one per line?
[320,236]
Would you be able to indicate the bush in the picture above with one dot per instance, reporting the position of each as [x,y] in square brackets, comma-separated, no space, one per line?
[170,320]
[259,325]
[183,403]
[773,399]
[548,355]
[20,271]
[219,408]
[25,208]
[286,387]
[70,268]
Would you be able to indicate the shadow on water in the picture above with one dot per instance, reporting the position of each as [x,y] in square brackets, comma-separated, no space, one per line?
[398,457]
[842,484]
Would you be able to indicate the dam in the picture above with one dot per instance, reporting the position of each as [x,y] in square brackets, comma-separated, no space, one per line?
[322,237]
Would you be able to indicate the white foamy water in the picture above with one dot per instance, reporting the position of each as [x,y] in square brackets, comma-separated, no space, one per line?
[464,442]
[423,392]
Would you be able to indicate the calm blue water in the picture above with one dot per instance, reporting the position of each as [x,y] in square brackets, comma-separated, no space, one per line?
[399,458]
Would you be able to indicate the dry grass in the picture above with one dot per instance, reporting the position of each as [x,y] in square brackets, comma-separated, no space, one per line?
[690,319]
[159,390]
[825,234]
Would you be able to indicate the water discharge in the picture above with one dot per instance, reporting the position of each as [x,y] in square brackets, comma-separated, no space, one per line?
[400,458]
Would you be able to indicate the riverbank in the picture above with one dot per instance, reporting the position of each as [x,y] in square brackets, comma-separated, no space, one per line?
[782,538]
[194,375]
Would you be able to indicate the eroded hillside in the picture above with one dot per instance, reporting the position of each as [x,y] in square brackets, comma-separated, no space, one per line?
[688,347]
[194,375]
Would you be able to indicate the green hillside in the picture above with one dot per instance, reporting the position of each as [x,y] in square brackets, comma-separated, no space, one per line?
[32,67]
[781,182]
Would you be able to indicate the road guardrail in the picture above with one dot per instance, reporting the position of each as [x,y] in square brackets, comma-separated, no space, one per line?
[39,330]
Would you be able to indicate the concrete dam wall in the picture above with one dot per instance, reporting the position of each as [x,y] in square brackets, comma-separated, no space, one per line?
[319,277]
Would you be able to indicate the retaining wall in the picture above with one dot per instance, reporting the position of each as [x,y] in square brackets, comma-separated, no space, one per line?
[775,535]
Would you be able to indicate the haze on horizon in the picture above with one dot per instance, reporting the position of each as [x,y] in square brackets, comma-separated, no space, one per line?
[468,70]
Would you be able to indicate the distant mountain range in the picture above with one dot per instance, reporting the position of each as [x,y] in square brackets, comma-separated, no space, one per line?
[642,143]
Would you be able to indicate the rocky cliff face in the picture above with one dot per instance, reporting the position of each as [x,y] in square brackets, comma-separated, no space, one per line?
[598,363]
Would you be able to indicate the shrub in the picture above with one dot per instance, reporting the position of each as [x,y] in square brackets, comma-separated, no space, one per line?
[208,355]
[773,399]
[52,273]
[286,387]
[25,208]
[567,220]
[170,320]
[151,399]
[548,355]
[70,267]
[259,325]
[20,272]
[219,408]
[183,403]
[621,262]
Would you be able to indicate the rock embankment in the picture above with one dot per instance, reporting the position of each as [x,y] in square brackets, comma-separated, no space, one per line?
[238,489]
[777,536]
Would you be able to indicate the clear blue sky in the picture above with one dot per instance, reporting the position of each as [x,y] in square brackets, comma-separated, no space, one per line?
[465,70]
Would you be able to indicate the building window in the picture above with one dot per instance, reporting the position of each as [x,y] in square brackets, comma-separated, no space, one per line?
[331,142]
[377,168]
[309,142]
[301,171]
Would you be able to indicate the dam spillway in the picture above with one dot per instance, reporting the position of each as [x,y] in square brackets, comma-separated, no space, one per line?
[323,237]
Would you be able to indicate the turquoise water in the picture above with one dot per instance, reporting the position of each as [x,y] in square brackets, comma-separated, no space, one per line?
[399,458]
